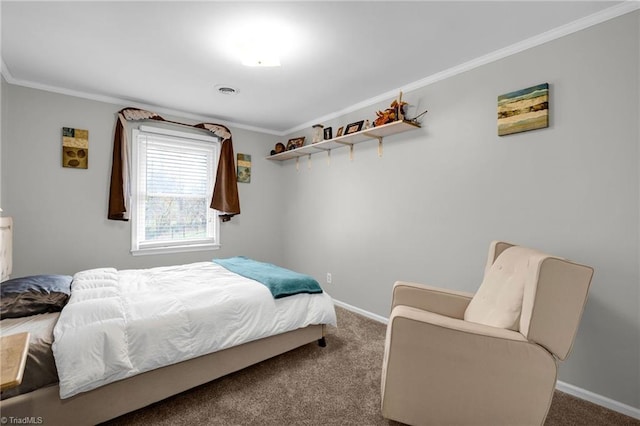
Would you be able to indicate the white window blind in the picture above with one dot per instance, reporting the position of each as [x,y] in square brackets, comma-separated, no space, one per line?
[173,182]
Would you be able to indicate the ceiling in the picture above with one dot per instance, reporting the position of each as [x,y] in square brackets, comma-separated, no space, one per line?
[335,55]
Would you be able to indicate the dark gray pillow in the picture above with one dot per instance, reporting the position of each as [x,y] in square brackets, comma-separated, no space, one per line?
[35,294]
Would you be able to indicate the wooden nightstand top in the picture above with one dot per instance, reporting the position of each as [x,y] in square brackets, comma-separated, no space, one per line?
[13,355]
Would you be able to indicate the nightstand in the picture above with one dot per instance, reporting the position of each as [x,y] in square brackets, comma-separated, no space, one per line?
[13,355]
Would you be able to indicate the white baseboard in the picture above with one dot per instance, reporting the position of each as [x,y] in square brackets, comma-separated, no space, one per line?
[362,312]
[600,400]
[570,389]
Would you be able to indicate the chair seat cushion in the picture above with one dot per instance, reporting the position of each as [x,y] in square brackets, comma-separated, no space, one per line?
[498,301]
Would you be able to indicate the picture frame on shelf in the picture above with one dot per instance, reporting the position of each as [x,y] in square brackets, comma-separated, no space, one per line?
[328,133]
[339,133]
[354,127]
[295,143]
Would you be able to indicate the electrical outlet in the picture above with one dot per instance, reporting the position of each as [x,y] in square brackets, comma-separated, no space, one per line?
[328,277]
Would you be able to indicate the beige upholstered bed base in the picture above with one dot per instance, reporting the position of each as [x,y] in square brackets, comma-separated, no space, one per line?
[115,399]
[44,406]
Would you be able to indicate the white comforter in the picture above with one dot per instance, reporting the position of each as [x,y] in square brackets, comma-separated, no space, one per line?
[121,323]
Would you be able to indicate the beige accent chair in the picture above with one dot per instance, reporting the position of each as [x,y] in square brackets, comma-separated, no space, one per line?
[455,358]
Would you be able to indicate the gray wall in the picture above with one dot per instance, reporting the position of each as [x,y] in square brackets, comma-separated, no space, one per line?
[60,213]
[427,210]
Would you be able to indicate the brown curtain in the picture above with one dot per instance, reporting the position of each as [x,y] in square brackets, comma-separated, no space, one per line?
[225,197]
[117,203]
[225,193]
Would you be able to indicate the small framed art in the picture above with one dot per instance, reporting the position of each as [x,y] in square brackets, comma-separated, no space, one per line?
[523,110]
[244,168]
[75,148]
[295,143]
[354,127]
[328,133]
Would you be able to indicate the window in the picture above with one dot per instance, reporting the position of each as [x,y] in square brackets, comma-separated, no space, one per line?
[172,183]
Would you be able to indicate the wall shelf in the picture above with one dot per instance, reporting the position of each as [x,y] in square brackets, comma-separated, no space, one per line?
[374,133]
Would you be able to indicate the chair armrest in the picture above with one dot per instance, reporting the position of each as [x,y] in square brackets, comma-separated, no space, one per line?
[433,299]
[454,324]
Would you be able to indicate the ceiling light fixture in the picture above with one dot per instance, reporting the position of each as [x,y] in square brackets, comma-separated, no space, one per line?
[260,43]
[259,51]
[259,60]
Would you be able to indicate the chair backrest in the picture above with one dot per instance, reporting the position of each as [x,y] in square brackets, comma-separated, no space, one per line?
[553,303]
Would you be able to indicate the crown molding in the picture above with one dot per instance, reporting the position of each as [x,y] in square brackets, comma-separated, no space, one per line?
[127,103]
[556,33]
[623,8]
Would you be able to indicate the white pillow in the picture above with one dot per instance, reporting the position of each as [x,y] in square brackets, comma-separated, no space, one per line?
[498,301]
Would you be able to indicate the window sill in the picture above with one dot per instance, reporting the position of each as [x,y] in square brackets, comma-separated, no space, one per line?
[174,249]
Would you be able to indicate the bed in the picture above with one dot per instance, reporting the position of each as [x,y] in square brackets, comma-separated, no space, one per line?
[96,399]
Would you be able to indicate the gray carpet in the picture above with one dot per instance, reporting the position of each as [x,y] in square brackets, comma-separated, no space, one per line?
[335,385]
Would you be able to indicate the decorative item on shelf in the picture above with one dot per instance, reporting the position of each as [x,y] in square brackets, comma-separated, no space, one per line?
[354,127]
[414,120]
[367,124]
[328,133]
[393,113]
[340,130]
[278,148]
[75,148]
[295,143]
[317,133]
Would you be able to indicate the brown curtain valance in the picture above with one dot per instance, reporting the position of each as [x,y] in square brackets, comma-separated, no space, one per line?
[225,197]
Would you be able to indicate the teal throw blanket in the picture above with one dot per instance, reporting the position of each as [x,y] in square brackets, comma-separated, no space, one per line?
[280,281]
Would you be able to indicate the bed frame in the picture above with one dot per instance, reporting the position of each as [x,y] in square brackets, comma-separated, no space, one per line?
[124,396]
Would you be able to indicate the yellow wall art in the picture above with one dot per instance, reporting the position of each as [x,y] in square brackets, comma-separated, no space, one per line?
[75,148]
